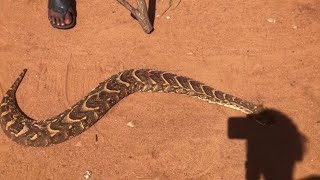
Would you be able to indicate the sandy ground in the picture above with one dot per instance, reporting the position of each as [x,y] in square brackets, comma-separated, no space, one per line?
[263,51]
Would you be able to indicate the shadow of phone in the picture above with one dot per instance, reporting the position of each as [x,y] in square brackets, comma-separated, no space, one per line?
[272,151]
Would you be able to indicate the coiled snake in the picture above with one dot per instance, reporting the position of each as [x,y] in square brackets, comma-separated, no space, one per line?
[79,117]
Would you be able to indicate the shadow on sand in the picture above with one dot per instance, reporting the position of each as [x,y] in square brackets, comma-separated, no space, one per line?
[272,151]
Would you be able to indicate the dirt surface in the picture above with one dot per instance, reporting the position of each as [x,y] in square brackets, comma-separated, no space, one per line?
[263,51]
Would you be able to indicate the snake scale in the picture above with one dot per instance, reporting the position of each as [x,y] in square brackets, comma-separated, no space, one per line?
[79,117]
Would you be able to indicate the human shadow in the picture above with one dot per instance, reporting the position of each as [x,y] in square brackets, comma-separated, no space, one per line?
[272,151]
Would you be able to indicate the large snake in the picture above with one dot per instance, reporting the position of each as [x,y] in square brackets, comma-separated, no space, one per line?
[79,117]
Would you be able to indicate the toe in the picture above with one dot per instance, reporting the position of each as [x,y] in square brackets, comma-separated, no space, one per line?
[61,22]
[53,20]
[58,21]
[68,18]
[51,15]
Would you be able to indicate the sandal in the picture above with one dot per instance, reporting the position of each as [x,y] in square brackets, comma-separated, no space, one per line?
[63,7]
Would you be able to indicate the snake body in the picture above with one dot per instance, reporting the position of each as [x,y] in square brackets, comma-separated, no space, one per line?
[79,117]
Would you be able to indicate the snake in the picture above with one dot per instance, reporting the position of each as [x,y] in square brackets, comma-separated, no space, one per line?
[86,112]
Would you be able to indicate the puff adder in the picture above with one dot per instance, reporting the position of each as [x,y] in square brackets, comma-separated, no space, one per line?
[79,117]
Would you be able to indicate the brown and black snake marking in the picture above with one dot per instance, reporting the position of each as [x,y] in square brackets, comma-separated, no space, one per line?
[75,120]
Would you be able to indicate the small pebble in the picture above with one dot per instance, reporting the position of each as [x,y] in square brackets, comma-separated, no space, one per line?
[294,27]
[168,17]
[130,124]
[87,174]
[78,144]
[271,20]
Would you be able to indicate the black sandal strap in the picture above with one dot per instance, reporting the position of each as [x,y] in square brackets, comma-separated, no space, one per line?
[60,6]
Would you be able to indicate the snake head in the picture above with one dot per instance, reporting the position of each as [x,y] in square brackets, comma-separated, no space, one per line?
[264,116]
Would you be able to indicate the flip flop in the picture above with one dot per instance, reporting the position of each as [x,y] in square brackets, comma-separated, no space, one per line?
[63,7]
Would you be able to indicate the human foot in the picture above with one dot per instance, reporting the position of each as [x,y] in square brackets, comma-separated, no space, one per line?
[62,13]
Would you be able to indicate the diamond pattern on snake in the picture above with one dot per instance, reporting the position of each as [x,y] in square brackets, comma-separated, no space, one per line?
[87,111]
